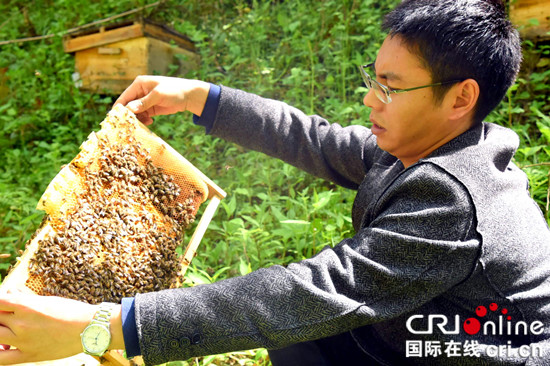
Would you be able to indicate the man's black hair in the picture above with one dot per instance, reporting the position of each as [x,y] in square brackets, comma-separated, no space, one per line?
[459,40]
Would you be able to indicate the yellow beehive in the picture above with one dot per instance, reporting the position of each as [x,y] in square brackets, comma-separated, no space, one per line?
[110,58]
[532,17]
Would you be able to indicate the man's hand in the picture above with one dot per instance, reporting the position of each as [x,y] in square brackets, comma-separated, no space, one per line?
[41,328]
[150,96]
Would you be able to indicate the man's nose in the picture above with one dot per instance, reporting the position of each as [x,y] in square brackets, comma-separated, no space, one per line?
[371,100]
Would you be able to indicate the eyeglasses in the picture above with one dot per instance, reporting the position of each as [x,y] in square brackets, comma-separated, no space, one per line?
[383,92]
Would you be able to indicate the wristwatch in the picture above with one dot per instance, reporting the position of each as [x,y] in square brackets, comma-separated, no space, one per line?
[96,337]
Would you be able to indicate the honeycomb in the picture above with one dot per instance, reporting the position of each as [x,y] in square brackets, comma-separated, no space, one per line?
[115,216]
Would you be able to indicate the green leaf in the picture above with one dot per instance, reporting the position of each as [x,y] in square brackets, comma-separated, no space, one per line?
[244,267]
[229,206]
[323,199]
[10,239]
[197,278]
[545,131]
[295,222]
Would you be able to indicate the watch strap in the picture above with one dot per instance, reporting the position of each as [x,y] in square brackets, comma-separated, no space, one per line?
[103,314]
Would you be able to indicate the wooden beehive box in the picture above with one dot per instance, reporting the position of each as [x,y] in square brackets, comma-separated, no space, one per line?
[532,17]
[109,59]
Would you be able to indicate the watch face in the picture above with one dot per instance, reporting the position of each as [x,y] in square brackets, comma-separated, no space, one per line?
[96,339]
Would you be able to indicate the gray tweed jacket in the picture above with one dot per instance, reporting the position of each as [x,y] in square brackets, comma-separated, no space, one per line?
[453,238]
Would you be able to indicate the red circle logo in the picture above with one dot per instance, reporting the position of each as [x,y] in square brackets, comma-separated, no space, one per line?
[481,311]
[471,326]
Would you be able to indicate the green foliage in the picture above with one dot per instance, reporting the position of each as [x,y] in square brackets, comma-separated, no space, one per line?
[304,52]
[527,111]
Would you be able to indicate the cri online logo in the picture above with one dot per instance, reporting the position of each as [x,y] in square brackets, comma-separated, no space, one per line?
[472,326]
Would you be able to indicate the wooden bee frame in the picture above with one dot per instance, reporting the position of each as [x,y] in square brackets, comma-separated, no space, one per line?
[19,275]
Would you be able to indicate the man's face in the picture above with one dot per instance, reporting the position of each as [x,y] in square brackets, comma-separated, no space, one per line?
[412,125]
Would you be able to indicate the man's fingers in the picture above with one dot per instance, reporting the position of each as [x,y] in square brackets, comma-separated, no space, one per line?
[11,357]
[7,336]
[135,106]
[6,304]
[127,96]
[145,103]
[140,95]
[134,91]
[144,118]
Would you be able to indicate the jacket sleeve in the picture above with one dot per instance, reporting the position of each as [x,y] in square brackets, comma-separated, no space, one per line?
[417,247]
[330,151]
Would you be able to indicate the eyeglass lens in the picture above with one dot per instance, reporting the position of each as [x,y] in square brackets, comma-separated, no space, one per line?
[371,84]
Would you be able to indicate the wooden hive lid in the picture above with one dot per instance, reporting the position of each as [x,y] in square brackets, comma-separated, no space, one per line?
[123,31]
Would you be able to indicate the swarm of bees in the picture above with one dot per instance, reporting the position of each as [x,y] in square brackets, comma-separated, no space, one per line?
[121,233]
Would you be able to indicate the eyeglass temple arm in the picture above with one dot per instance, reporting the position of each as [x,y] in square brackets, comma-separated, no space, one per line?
[397,91]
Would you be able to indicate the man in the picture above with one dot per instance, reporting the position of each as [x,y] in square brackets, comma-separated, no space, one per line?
[450,261]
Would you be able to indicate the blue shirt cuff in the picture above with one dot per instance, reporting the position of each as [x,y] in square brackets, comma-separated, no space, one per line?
[210,110]
[129,328]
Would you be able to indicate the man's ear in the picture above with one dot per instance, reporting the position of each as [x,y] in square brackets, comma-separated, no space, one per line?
[465,96]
